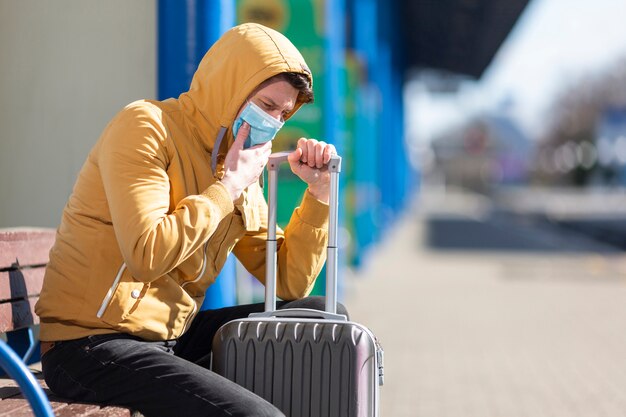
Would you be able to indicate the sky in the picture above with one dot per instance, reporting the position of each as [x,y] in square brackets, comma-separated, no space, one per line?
[554,44]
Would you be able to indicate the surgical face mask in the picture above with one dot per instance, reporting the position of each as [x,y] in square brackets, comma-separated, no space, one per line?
[263,127]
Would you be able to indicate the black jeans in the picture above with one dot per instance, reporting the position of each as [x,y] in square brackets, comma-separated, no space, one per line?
[169,378]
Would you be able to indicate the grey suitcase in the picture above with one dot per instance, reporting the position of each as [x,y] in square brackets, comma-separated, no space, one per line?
[308,363]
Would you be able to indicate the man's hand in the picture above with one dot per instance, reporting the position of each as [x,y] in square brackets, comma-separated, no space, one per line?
[309,162]
[243,167]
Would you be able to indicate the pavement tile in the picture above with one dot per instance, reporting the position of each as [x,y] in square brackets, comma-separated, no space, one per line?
[484,333]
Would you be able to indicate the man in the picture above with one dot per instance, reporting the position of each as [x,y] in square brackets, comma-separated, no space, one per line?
[167,192]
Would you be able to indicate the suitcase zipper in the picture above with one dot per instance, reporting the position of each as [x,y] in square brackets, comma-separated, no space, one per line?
[380,359]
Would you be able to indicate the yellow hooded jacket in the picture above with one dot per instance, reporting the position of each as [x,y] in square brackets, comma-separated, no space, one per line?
[148,226]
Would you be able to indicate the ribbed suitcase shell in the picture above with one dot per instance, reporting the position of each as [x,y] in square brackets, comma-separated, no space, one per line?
[305,367]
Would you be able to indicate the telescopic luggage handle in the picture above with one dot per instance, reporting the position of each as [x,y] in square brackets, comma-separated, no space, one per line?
[334,167]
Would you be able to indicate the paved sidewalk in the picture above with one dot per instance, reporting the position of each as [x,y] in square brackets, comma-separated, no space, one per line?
[500,334]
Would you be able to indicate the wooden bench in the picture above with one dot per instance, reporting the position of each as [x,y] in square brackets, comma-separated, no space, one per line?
[23,258]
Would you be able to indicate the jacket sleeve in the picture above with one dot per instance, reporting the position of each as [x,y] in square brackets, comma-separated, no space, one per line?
[153,237]
[301,248]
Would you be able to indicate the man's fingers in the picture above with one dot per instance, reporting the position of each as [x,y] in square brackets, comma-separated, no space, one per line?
[328,152]
[242,134]
[310,150]
[303,149]
[319,154]
[294,157]
[315,153]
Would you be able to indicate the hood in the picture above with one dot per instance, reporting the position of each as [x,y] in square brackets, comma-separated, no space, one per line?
[236,64]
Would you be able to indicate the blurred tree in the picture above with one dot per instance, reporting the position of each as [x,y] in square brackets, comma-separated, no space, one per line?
[568,153]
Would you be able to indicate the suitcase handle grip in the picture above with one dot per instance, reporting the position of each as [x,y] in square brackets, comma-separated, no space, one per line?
[334,167]
[300,312]
[275,159]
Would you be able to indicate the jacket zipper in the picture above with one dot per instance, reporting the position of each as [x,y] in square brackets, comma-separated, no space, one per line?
[109,294]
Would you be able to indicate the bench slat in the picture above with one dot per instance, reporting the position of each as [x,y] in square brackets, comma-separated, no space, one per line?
[56,406]
[111,412]
[19,407]
[11,406]
[21,283]
[29,246]
[28,412]
[77,409]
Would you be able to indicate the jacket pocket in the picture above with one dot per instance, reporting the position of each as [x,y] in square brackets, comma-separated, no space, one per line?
[120,299]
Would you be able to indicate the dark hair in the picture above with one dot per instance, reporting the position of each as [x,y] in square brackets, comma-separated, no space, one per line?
[298,81]
[301,83]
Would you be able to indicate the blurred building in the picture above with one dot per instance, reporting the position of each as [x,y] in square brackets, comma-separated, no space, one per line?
[488,151]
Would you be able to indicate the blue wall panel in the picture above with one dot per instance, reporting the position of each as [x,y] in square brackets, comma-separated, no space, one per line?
[187,29]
